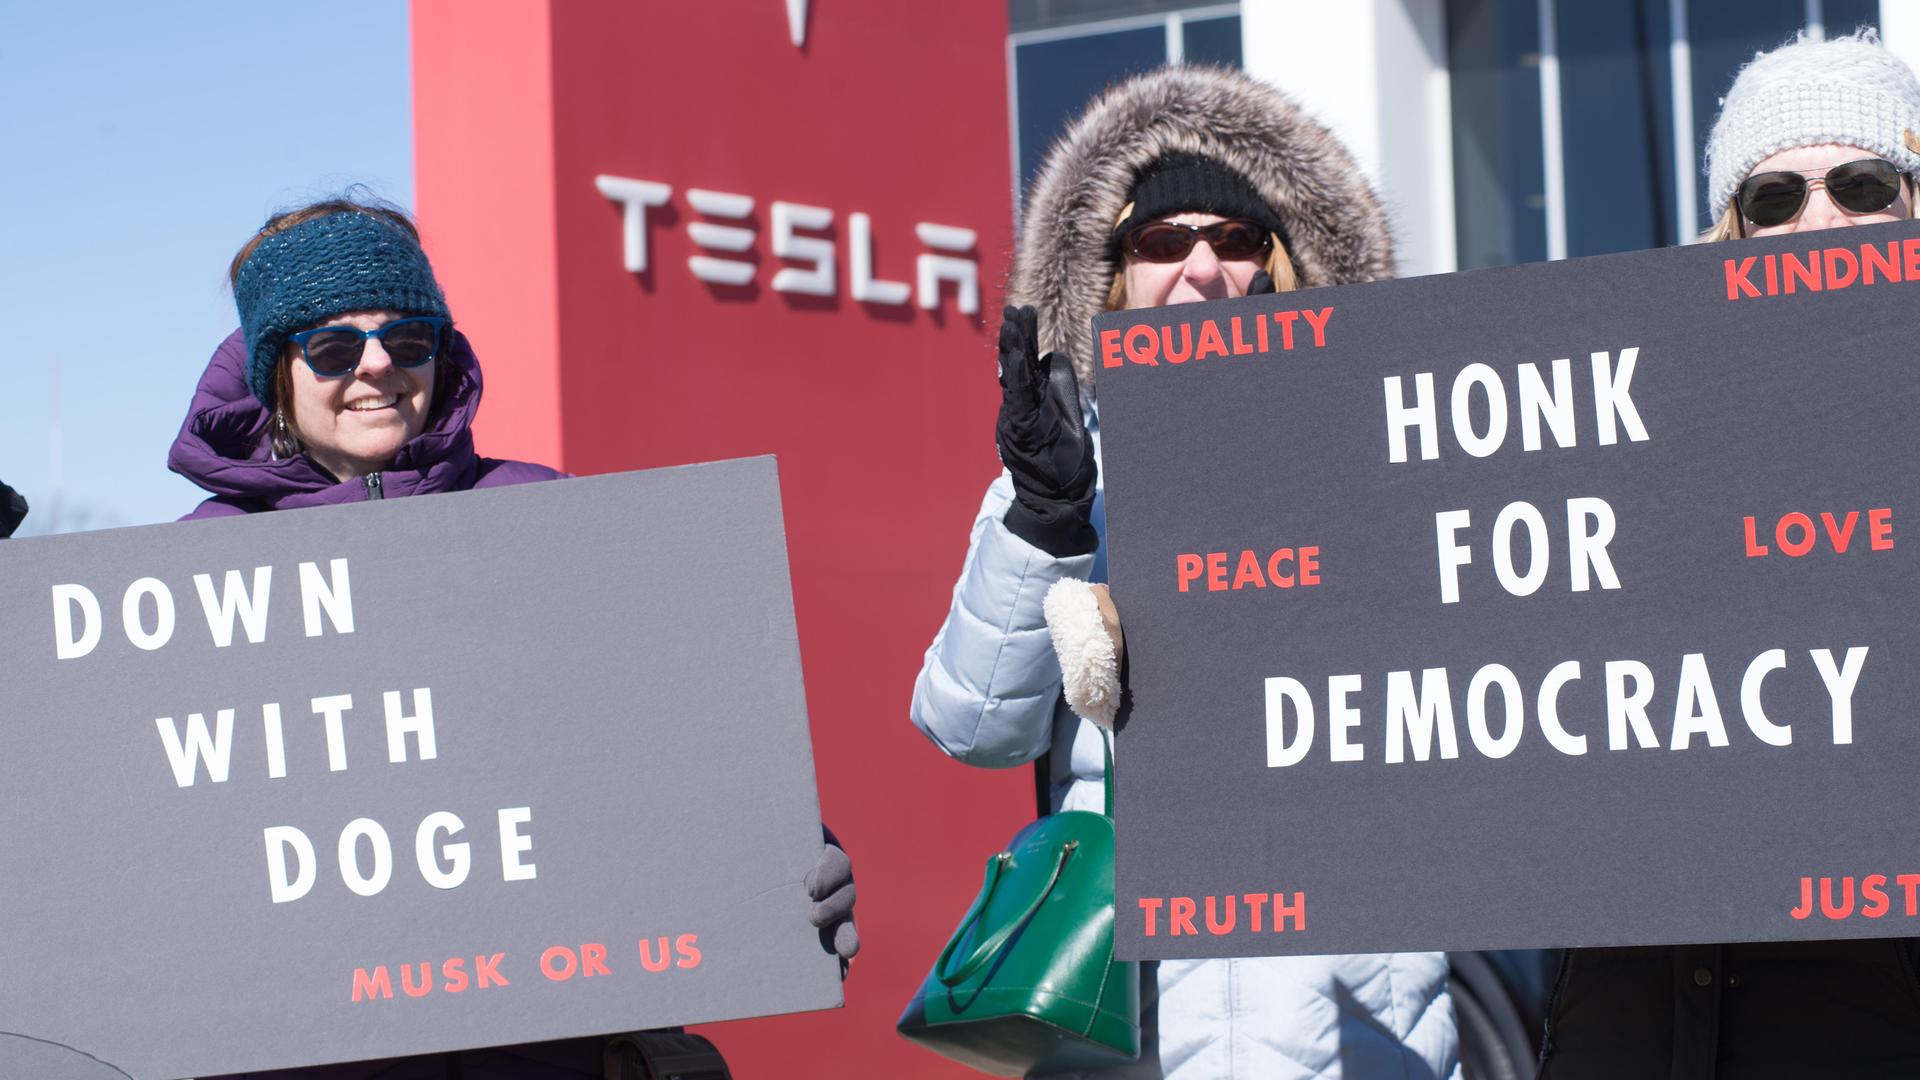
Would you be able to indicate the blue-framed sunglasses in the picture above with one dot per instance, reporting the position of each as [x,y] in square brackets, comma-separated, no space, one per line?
[333,351]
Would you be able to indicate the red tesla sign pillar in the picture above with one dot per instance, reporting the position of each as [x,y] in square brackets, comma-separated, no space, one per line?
[677,232]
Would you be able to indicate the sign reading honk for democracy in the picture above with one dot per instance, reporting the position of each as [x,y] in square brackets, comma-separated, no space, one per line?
[404,776]
[1555,605]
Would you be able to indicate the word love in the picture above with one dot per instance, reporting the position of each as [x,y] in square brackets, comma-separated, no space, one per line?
[1795,536]
[1237,335]
[1414,720]
[149,615]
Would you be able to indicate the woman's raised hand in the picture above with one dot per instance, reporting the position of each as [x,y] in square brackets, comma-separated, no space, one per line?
[1043,442]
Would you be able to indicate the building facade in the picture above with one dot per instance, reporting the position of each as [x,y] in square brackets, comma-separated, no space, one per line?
[1498,131]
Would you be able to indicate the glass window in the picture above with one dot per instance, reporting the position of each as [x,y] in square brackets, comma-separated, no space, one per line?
[1498,176]
[1054,80]
[1845,16]
[1212,41]
[1723,38]
[1616,109]
[1041,14]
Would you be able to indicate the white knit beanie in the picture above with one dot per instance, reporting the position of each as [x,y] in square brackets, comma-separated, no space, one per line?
[1849,91]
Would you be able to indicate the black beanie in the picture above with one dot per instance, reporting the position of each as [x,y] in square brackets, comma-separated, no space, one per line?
[1181,183]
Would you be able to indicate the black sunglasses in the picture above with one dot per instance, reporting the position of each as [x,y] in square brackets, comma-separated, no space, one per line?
[1167,242]
[1867,186]
[333,351]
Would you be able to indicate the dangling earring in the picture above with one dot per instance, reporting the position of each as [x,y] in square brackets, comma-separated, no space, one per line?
[280,440]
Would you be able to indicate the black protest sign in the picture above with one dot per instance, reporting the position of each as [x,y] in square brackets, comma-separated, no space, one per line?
[405,776]
[1564,604]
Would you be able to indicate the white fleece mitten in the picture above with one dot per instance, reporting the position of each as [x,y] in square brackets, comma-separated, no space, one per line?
[1087,641]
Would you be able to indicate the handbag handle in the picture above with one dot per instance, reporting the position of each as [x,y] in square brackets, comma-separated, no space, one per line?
[992,945]
[1106,778]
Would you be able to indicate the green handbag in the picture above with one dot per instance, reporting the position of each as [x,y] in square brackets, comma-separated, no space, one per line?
[1028,983]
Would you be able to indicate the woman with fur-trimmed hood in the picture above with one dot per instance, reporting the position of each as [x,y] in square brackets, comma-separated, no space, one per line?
[1181,185]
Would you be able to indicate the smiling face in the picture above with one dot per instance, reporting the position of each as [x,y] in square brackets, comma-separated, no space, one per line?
[1200,276]
[354,424]
[1820,211]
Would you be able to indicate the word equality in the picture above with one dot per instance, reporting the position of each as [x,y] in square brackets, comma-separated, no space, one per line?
[78,620]
[1229,336]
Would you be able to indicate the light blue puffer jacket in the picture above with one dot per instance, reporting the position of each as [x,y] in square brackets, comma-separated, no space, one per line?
[989,694]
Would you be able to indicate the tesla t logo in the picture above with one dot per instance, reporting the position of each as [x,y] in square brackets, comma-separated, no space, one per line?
[797,21]
[949,256]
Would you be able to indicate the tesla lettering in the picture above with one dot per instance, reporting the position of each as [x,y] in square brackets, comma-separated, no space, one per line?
[728,232]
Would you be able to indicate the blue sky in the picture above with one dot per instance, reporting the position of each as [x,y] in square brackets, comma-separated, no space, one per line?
[143,144]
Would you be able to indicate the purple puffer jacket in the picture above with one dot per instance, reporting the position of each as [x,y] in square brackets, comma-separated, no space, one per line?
[219,448]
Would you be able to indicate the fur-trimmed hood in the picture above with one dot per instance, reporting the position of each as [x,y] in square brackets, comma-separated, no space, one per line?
[1336,231]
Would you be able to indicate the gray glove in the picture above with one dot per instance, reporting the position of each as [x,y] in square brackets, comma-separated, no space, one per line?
[830,885]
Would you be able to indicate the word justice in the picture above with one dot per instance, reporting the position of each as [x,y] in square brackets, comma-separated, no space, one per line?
[951,256]
[1415,720]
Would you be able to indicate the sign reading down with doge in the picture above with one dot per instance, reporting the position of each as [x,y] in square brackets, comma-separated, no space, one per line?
[405,776]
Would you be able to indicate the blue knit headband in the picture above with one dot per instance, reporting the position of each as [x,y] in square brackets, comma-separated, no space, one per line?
[323,268]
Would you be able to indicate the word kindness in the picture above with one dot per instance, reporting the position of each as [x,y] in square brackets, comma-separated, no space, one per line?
[196,748]
[1823,269]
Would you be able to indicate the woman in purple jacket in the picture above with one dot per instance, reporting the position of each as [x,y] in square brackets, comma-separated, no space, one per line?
[347,381]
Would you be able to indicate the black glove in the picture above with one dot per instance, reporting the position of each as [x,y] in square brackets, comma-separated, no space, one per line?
[1262,283]
[13,510]
[830,886]
[1043,442]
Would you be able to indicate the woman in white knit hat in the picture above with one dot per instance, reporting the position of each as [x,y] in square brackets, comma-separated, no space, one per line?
[1813,135]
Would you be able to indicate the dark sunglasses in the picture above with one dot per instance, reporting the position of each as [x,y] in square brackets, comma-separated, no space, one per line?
[333,351]
[1167,242]
[1867,186]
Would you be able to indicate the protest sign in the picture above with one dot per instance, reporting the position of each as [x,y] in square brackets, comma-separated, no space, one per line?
[406,776]
[1553,605]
